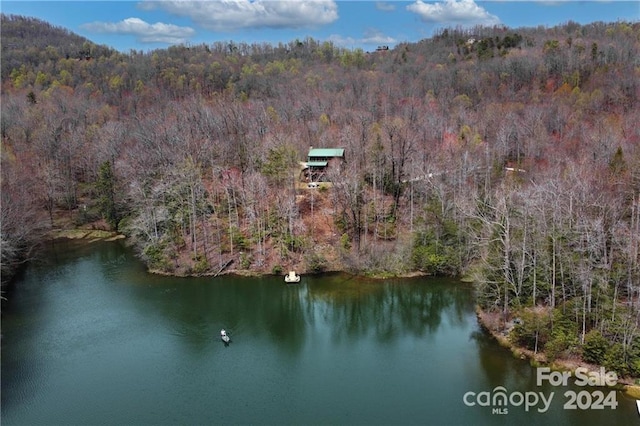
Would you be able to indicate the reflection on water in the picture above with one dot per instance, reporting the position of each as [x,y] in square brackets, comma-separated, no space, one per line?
[384,310]
[89,330]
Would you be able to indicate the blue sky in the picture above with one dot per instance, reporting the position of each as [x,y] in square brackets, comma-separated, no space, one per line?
[147,25]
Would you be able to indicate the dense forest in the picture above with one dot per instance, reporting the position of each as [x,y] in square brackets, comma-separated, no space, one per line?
[506,155]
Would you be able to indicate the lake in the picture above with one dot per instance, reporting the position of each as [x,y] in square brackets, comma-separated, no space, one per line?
[88,337]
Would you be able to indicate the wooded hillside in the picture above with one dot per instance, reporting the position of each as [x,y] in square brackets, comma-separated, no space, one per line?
[509,155]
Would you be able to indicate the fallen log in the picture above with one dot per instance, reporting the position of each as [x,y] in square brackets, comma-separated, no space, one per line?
[223,267]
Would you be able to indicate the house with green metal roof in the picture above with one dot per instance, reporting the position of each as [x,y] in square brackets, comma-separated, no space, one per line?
[319,159]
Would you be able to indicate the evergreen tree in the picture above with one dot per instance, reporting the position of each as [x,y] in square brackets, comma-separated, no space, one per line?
[105,187]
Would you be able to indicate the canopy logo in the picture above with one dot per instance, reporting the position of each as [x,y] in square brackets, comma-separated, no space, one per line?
[499,400]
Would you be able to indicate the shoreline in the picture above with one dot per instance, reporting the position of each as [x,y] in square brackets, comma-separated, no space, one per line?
[89,235]
[626,385]
[257,274]
[94,235]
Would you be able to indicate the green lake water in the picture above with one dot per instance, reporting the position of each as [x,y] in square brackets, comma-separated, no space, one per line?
[88,337]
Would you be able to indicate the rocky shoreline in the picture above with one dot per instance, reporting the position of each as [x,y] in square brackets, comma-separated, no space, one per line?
[630,386]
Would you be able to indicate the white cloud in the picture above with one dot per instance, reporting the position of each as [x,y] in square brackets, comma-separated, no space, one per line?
[385,6]
[343,41]
[143,31]
[374,36]
[371,36]
[465,12]
[229,15]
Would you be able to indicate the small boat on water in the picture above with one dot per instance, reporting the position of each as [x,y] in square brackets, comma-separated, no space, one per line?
[292,277]
[223,335]
[638,405]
